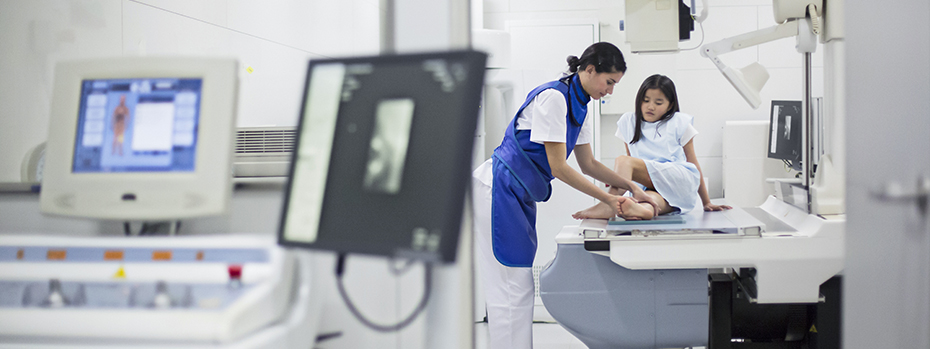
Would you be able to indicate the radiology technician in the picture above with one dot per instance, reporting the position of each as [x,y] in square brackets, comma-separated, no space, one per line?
[549,126]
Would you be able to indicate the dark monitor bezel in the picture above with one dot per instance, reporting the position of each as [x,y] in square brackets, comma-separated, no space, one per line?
[388,235]
[792,151]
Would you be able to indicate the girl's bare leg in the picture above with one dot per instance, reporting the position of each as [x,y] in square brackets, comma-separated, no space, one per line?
[633,210]
[627,167]
[630,209]
[600,210]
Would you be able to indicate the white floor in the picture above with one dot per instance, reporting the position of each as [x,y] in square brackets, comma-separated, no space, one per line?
[545,336]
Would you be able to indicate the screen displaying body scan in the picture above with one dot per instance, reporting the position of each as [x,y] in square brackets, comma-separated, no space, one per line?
[137,125]
[785,136]
[383,156]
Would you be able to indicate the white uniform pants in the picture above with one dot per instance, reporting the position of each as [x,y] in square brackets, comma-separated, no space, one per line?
[509,292]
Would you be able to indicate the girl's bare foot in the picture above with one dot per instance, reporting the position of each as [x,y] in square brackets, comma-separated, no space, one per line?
[632,210]
[599,211]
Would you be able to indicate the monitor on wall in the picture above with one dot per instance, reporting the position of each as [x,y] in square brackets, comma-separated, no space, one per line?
[140,138]
[383,156]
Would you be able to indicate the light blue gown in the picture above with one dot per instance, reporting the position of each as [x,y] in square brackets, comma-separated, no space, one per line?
[660,147]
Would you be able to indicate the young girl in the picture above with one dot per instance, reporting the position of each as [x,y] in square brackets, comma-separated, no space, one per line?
[660,156]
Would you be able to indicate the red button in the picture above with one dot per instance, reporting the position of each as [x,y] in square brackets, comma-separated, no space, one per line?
[235,271]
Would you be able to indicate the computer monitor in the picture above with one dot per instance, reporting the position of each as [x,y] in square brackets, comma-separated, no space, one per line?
[383,155]
[140,138]
[785,136]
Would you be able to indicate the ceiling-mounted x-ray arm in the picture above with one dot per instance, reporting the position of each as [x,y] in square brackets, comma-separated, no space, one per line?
[749,80]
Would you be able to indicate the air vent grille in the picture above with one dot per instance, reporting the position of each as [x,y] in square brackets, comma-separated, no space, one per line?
[255,141]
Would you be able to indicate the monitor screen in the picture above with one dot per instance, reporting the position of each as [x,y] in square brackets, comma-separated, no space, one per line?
[137,125]
[785,136]
[383,155]
[140,138]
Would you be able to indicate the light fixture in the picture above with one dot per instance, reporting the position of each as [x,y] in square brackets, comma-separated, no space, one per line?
[749,80]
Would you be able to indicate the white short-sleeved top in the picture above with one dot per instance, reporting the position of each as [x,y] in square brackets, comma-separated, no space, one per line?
[660,141]
[545,118]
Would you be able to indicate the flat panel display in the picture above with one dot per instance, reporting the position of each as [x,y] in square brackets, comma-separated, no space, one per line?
[137,125]
[141,138]
[383,156]
[785,136]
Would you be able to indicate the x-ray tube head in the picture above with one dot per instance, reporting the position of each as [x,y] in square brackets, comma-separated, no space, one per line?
[748,82]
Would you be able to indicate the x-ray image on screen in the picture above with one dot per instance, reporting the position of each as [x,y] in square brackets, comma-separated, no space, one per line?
[785,131]
[383,154]
[388,148]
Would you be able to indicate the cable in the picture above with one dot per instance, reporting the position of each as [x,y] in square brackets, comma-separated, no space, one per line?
[700,24]
[428,273]
[397,271]
[815,18]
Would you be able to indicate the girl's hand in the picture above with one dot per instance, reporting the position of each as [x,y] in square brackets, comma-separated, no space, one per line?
[712,207]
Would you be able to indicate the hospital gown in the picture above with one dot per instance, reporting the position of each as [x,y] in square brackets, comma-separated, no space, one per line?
[660,147]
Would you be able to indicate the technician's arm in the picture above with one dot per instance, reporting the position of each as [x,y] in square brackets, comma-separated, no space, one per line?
[702,190]
[590,166]
[556,153]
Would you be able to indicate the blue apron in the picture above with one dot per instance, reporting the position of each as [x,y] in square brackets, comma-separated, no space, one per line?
[522,177]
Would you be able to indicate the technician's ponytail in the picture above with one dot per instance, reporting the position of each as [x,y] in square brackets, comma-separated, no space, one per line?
[604,56]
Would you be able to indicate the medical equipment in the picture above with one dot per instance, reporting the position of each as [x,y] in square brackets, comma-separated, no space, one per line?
[802,19]
[381,140]
[193,292]
[140,138]
[803,24]
[785,138]
[790,253]
[147,139]
[656,26]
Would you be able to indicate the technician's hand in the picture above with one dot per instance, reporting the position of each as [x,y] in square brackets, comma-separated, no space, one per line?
[614,204]
[712,207]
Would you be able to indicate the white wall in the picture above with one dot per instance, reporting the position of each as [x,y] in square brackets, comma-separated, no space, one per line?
[702,89]
[274,37]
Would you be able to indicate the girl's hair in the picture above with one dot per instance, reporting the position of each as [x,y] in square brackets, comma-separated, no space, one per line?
[604,56]
[664,84]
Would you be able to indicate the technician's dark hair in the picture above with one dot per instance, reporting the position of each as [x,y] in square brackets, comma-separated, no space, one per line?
[604,56]
[664,84]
